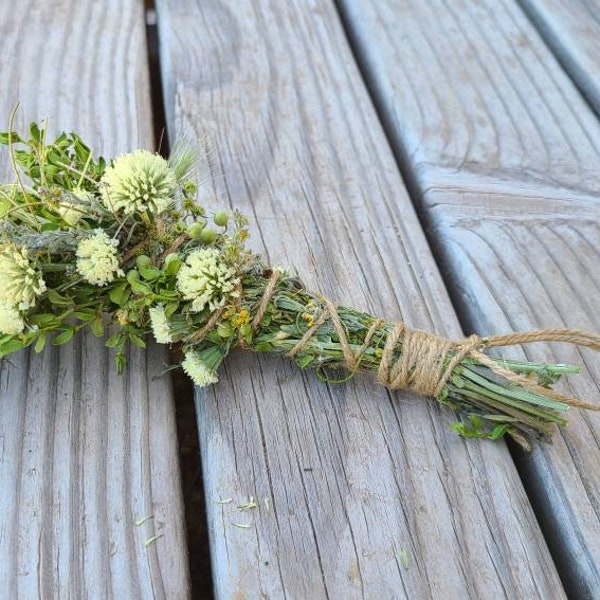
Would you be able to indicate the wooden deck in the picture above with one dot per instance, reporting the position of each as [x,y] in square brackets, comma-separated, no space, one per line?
[435,162]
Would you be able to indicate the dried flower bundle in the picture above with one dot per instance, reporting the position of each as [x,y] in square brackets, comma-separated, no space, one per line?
[122,246]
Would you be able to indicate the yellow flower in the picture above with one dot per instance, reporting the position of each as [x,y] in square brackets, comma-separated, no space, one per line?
[241,318]
[308,318]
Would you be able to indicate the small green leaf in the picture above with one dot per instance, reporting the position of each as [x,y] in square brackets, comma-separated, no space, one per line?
[97,326]
[34,132]
[140,288]
[171,308]
[85,314]
[305,361]
[119,294]
[46,320]
[57,299]
[121,362]
[10,346]
[150,273]
[40,342]
[6,137]
[114,340]
[64,337]
[499,431]
[137,340]
[246,332]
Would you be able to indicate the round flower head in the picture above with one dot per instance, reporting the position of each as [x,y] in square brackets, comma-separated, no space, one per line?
[206,280]
[160,325]
[20,282]
[198,370]
[11,322]
[140,181]
[97,259]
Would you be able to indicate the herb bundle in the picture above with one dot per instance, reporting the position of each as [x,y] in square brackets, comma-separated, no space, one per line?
[123,247]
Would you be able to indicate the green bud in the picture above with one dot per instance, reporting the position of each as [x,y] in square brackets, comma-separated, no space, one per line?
[208,236]
[221,218]
[190,188]
[195,229]
[133,275]
[143,261]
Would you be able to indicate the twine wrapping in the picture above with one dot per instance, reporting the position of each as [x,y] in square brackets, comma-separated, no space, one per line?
[426,360]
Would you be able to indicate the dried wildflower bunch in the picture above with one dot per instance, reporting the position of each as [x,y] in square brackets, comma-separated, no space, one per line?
[122,246]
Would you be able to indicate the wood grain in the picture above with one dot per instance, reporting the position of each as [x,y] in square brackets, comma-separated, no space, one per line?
[572,30]
[503,153]
[85,453]
[369,493]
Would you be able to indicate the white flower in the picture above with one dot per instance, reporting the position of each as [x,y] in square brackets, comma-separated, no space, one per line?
[97,259]
[20,282]
[71,212]
[140,181]
[206,280]
[11,322]
[160,325]
[198,370]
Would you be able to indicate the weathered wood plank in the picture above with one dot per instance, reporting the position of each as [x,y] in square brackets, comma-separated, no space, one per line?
[505,154]
[572,30]
[370,493]
[84,453]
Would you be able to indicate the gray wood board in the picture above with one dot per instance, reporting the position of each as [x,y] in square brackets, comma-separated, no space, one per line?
[85,453]
[369,493]
[505,155]
[572,30]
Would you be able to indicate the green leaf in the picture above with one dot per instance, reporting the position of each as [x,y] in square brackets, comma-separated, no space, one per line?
[40,342]
[85,314]
[97,326]
[6,137]
[46,320]
[121,362]
[34,132]
[168,295]
[57,299]
[246,332]
[64,337]
[10,346]
[263,347]
[150,273]
[114,340]
[137,340]
[171,308]
[140,288]
[305,361]
[119,294]
[499,431]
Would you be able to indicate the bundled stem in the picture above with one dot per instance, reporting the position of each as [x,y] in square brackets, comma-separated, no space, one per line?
[499,396]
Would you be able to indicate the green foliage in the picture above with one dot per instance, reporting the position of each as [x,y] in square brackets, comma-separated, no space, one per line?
[477,427]
[66,163]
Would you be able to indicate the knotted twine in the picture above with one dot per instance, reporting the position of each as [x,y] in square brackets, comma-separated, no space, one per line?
[426,360]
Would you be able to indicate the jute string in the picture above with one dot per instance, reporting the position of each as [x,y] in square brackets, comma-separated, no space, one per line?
[426,360]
